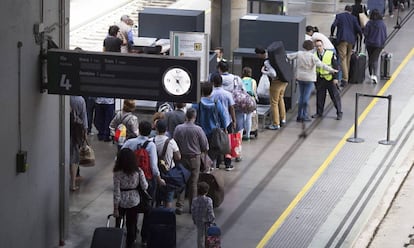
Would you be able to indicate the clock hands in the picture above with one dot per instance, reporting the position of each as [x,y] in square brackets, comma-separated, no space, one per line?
[178,82]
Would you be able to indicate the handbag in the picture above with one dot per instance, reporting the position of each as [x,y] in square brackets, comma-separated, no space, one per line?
[219,140]
[242,100]
[264,85]
[363,19]
[86,155]
[145,203]
[177,177]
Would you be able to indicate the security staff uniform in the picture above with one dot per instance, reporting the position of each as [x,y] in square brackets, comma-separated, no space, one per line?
[324,82]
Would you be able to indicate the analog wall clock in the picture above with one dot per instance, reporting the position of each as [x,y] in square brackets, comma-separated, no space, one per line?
[176,81]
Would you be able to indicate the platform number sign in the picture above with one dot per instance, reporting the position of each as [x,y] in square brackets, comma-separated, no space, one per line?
[128,76]
[65,82]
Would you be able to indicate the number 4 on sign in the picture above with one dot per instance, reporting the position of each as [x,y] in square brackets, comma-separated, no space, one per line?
[64,82]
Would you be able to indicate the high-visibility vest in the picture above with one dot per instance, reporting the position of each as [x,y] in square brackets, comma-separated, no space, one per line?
[327,59]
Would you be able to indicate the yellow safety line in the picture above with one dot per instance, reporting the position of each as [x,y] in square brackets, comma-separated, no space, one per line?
[330,157]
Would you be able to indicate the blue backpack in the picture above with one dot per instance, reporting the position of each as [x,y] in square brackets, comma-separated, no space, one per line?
[248,85]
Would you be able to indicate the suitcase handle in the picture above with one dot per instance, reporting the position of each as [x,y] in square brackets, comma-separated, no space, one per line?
[109,218]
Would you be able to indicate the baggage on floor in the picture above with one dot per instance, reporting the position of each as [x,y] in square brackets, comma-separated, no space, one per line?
[277,58]
[109,237]
[216,182]
[357,68]
[162,228]
[213,233]
[385,65]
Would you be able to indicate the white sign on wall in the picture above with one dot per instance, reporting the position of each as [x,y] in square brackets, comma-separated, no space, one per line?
[192,44]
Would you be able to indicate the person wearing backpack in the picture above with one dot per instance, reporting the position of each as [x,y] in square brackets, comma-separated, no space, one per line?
[276,91]
[146,153]
[251,87]
[124,125]
[168,153]
[210,115]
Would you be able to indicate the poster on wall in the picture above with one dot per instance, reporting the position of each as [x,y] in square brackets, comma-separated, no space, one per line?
[192,44]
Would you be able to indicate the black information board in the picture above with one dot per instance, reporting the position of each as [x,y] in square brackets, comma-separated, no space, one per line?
[120,75]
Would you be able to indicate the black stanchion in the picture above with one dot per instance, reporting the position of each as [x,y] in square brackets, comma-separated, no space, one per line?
[355,139]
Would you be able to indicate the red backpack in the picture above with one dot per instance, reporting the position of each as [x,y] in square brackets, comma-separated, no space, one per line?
[143,159]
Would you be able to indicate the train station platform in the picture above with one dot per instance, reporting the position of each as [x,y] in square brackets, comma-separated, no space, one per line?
[295,191]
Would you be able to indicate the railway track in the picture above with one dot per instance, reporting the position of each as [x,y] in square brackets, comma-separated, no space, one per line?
[91,35]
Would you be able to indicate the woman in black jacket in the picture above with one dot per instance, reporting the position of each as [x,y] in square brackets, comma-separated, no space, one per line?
[375,34]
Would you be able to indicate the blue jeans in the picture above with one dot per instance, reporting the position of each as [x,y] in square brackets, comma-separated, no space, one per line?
[239,121]
[90,110]
[305,89]
[248,123]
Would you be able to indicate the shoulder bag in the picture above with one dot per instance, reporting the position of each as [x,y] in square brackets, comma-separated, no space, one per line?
[163,165]
[242,100]
[219,140]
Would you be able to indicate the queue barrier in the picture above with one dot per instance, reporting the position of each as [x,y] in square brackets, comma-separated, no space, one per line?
[355,139]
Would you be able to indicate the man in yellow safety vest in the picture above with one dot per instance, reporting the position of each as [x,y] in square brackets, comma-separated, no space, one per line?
[326,81]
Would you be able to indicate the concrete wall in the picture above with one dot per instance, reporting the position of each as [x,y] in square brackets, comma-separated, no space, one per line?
[225,17]
[29,209]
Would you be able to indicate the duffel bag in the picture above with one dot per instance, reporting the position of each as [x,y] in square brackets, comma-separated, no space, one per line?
[177,177]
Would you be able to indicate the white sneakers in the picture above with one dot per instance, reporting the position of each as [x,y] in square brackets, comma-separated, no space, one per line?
[374,79]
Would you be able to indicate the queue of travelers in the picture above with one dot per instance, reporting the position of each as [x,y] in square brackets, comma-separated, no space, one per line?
[182,136]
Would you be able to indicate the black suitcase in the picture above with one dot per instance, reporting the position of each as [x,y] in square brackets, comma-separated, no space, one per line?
[109,237]
[216,182]
[277,58]
[357,68]
[385,65]
[162,228]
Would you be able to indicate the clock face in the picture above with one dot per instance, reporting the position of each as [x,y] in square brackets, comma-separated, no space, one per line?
[176,81]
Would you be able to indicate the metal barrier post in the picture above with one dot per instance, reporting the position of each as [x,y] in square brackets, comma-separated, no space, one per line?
[388,141]
[355,139]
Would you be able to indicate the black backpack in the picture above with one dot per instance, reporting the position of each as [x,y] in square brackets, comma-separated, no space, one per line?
[278,60]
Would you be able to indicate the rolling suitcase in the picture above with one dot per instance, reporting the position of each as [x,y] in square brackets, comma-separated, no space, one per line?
[212,237]
[357,68]
[216,182]
[162,228]
[109,237]
[385,65]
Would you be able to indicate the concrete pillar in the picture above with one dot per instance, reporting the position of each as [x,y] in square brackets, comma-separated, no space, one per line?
[225,17]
